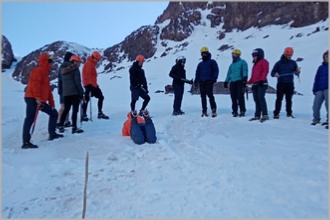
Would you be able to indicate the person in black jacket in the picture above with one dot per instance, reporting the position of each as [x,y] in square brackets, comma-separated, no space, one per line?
[178,73]
[284,70]
[138,86]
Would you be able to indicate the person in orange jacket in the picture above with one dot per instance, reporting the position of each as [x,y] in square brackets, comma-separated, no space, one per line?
[141,129]
[89,76]
[37,94]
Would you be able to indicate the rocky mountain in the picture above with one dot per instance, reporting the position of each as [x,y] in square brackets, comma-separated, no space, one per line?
[57,50]
[180,18]
[7,53]
[177,23]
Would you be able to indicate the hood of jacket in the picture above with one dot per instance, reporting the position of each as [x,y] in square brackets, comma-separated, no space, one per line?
[43,61]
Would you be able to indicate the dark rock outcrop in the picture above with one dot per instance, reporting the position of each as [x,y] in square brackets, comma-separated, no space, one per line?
[7,53]
[238,15]
[142,41]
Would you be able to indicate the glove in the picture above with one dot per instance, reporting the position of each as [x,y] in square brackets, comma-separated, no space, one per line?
[244,82]
[195,84]
[191,82]
[225,85]
[81,97]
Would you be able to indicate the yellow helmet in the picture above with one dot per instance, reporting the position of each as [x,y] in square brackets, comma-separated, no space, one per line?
[236,51]
[204,49]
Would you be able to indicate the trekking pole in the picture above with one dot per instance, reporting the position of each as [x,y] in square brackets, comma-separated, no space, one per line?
[90,107]
[35,119]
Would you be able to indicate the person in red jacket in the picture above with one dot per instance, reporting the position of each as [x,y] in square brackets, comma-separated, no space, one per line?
[37,94]
[259,83]
[89,76]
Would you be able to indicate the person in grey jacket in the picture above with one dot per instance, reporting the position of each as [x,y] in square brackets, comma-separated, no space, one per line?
[59,90]
[72,90]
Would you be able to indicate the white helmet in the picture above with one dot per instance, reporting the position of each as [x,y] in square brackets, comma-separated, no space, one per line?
[182,58]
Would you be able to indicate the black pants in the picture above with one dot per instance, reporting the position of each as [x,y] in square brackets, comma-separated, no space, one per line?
[178,95]
[286,89]
[206,89]
[72,100]
[259,93]
[135,94]
[91,91]
[31,107]
[237,96]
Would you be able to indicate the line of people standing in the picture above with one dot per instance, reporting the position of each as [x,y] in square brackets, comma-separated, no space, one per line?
[284,70]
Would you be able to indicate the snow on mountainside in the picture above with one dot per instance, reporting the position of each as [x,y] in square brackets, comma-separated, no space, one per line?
[220,26]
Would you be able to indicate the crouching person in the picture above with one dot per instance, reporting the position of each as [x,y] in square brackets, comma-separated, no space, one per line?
[141,129]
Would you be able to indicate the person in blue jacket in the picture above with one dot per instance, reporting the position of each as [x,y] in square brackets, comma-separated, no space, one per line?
[284,70]
[207,73]
[237,76]
[320,90]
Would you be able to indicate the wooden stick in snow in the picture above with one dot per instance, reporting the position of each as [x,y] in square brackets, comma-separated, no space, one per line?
[85,187]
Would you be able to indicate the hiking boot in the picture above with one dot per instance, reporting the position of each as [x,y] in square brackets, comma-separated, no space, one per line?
[144,113]
[29,145]
[325,123]
[84,117]
[100,115]
[214,113]
[67,124]
[204,113]
[289,116]
[76,130]
[61,129]
[55,136]
[254,118]
[175,113]
[315,122]
[264,118]
[234,114]
[181,112]
[241,114]
[277,116]
[133,114]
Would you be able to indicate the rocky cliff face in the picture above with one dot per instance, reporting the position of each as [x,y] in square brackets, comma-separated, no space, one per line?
[228,16]
[57,50]
[238,15]
[142,41]
[7,53]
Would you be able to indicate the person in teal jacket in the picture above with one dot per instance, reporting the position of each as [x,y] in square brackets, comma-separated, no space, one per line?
[237,76]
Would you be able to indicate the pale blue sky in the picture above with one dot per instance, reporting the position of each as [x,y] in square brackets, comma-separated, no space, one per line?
[31,25]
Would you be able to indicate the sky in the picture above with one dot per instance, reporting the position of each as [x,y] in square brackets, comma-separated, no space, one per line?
[200,167]
[31,25]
